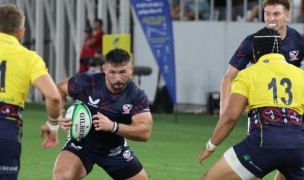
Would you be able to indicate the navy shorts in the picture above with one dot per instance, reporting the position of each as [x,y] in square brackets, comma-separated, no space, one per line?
[119,162]
[9,159]
[261,161]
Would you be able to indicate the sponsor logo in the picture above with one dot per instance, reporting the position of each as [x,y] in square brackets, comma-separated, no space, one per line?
[293,55]
[127,108]
[115,152]
[82,125]
[8,169]
[75,147]
[246,157]
[93,102]
[127,155]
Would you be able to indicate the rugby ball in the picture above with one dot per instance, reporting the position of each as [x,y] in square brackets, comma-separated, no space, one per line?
[81,118]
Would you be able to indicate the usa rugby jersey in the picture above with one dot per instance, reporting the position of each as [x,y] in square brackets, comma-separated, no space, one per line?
[90,88]
[292,49]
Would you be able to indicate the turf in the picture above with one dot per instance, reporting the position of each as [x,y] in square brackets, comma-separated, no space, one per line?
[171,153]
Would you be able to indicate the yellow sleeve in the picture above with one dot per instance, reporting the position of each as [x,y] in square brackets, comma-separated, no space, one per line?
[38,68]
[240,84]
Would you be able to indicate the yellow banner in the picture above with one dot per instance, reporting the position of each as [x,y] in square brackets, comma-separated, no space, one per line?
[112,41]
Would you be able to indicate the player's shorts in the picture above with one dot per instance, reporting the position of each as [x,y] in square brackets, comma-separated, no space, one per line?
[261,161]
[119,162]
[9,159]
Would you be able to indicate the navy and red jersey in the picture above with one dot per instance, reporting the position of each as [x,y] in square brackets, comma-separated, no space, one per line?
[91,89]
[292,49]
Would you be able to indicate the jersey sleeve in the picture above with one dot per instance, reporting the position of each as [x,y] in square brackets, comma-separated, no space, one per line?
[243,55]
[75,85]
[240,84]
[141,103]
[37,68]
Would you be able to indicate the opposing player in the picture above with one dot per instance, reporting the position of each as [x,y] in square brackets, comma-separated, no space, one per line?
[120,110]
[19,68]
[276,15]
[273,90]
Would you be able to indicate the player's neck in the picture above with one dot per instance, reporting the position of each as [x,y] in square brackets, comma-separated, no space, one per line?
[283,32]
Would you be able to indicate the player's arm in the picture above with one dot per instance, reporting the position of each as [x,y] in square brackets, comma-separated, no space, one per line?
[53,106]
[139,130]
[226,86]
[227,121]
[225,125]
[52,97]
[63,89]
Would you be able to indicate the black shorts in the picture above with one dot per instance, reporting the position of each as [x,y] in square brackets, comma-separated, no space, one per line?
[261,161]
[9,159]
[121,163]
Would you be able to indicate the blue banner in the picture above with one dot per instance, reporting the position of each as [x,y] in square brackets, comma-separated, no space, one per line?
[155,19]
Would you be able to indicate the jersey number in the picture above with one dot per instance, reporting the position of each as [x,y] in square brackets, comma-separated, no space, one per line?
[2,76]
[273,85]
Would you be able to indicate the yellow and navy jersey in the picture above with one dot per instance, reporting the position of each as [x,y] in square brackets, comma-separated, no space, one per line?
[19,68]
[271,82]
[275,92]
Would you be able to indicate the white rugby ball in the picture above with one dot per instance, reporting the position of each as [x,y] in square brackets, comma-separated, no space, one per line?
[82,120]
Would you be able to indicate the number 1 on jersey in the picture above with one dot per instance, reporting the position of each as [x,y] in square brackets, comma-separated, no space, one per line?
[2,76]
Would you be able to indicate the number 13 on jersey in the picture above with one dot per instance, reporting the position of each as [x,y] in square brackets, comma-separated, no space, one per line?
[284,83]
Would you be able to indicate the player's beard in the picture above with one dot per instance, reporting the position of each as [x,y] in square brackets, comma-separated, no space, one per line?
[118,86]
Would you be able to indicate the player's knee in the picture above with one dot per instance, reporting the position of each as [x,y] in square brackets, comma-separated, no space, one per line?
[62,174]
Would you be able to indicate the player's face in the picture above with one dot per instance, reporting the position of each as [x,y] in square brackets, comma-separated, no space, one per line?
[117,76]
[276,16]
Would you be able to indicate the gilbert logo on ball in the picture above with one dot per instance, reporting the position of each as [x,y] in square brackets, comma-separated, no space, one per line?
[82,120]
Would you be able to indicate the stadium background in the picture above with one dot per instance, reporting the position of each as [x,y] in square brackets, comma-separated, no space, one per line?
[54,28]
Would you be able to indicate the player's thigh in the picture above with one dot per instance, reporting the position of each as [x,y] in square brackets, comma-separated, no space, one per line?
[220,170]
[142,175]
[68,166]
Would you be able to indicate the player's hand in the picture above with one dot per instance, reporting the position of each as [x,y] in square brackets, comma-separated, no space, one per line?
[102,122]
[204,154]
[51,139]
[65,123]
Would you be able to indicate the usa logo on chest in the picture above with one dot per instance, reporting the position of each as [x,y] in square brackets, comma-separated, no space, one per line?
[293,55]
[127,108]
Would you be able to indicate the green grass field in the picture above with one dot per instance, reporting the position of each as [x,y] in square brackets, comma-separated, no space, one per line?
[171,153]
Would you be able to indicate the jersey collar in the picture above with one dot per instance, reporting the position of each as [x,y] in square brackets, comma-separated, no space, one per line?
[8,38]
[273,57]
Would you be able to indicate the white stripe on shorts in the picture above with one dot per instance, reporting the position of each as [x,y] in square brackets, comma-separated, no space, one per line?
[236,165]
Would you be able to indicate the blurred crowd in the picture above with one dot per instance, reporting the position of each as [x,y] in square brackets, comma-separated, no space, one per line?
[201,10]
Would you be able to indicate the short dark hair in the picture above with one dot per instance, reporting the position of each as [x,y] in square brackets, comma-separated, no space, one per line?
[266,41]
[99,21]
[11,19]
[118,57]
[284,3]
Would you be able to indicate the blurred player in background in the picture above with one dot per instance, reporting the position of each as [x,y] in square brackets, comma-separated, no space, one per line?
[120,110]
[273,91]
[95,42]
[19,68]
[276,15]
